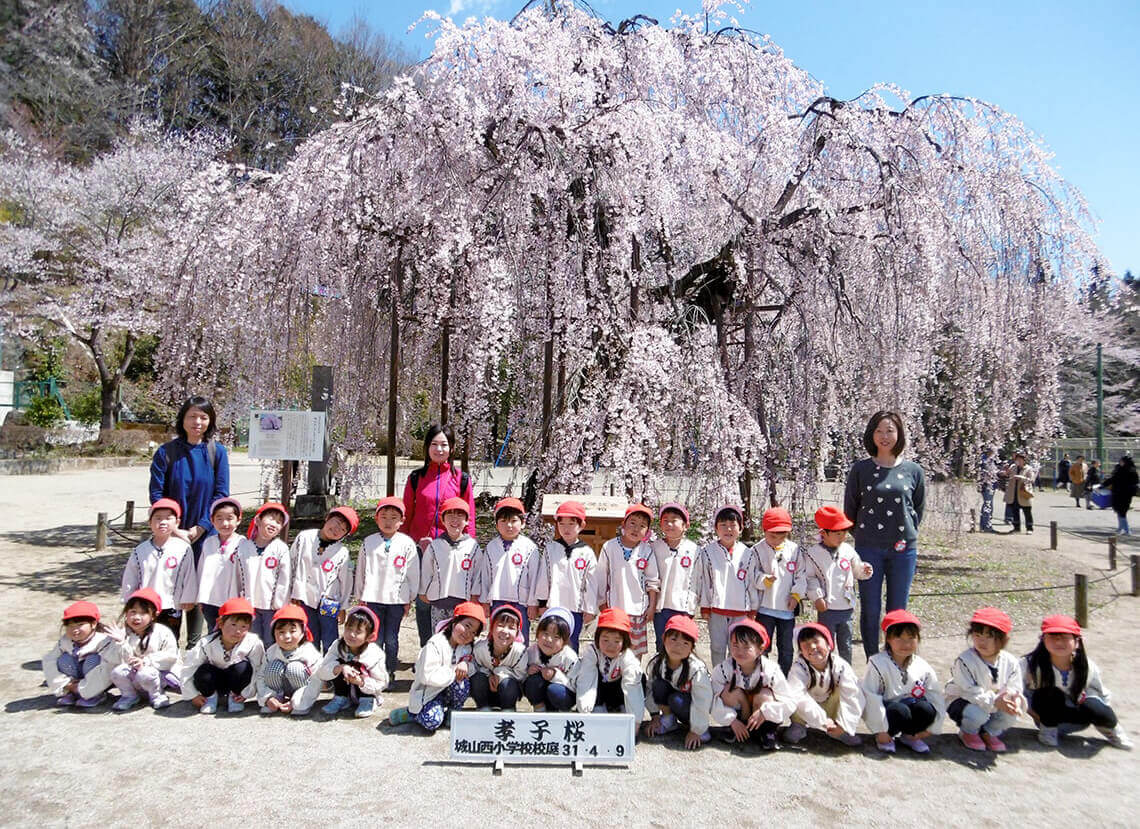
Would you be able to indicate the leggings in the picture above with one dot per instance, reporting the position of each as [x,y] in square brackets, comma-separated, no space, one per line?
[434,710]
[232,679]
[1054,707]
[390,616]
[780,633]
[554,695]
[678,702]
[286,678]
[506,697]
[909,716]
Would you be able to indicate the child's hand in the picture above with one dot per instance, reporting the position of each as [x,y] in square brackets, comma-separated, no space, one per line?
[531,670]
[135,662]
[285,707]
[71,687]
[198,701]
[692,741]
[769,579]
[653,727]
[793,602]
[868,570]
[187,605]
[423,598]
[1006,702]
[739,731]
[755,720]
[274,704]
[834,729]
[706,614]
[297,602]
[922,735]
[587,618]
[532,611]
[350,675]
[461,672]
[338,670]
[493,683]
[238,698]
[821,605]
[407,608]
[548,674]
[341,615]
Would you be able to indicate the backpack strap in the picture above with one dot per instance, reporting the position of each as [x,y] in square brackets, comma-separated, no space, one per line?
[174,451]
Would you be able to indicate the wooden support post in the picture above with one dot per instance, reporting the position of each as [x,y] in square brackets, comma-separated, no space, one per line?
[576,768]
[1082,599]
[393,372]
[497,769]
[101,532]
[1052,535]
[1135,560]
[1112,552]
[973,521]
[129,516]
[286,483]
[444,370]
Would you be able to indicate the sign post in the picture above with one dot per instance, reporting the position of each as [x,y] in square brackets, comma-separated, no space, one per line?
[542,737]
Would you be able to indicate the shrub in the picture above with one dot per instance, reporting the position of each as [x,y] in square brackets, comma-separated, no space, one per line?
[44,412]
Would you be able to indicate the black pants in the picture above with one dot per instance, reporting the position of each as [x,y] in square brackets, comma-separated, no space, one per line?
[780,634]
[345,689]
[766,733]
[1054,707]
[1016,515]
[909,716]
[611,695]
[210,679]
[172,619]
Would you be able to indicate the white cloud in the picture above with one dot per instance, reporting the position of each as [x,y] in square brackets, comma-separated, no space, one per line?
[469,7]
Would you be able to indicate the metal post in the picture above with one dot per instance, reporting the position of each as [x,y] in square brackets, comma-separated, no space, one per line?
[1112,552]
[1135,560]
[129,516]
[1052,535]
[101,532]
[1082,599]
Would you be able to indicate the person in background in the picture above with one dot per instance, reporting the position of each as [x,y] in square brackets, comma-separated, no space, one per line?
[1122,481]
[1092,481]
[987,478]
[1063,467]
[1077,473]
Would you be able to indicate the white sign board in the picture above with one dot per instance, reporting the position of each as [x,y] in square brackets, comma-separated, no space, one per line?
[286,436]
[546,737]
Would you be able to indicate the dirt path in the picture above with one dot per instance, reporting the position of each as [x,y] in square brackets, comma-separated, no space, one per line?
[184,769]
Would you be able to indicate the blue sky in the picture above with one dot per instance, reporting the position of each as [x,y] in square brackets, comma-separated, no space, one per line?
[1070,70]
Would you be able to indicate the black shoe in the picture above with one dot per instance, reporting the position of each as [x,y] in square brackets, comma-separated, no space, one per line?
[768,741]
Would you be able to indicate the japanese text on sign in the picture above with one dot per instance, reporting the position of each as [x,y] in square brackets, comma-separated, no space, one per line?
[287,436]
[541,737]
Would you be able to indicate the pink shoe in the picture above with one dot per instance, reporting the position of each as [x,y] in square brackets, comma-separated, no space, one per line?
[972,741]
[993,743]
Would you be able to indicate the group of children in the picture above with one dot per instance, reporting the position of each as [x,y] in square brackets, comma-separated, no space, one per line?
[258,591]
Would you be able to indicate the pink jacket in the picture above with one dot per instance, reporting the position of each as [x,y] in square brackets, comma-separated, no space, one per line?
[422,507]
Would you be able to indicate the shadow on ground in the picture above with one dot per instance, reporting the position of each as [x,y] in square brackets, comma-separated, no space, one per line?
[83,576]
[78,536]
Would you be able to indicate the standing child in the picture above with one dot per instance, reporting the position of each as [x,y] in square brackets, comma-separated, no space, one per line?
[781,582]
[550,662]
[151,659]
[510,564]
[566,572]
[831,567]
[164,563]
[443,670]
[289,662]
[500,662]
[680,685]
[729,581]
[388,577]
[608,677]
[219,563]
[830,698]
[78,668]
[225,662]
[322,572]
[750,695]
[678,565]
[984,695]
[627,577]
[447,573]
[265,568]
[902,693]
[1063,686]
[354,664]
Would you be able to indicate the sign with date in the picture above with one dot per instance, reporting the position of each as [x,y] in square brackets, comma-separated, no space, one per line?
[541,737]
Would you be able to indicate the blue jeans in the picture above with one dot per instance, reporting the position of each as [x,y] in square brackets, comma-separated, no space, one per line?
[262,625]
[576,631]
[839,623]
[324,628]
[506,697]
[676,701]
[986,521]
[660,619]
[390,616]
[780,635]
[897,569]
[555,696]
[521,608]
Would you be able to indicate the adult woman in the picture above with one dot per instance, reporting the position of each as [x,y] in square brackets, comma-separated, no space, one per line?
[1122,482]
[424,493]
[884,497]
[194,470]
[1019,491]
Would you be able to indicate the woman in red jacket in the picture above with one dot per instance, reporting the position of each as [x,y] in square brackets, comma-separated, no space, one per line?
[424,493]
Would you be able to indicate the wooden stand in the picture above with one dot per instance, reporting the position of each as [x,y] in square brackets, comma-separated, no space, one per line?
[604,514]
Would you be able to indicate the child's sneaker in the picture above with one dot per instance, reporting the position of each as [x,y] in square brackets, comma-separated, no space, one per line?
[265,709]
[668,723]
[365,707]
[539,707]
[391,678]
[66,700]
[234,705]
[336,705]
[86,702]
[993,743]
[887,748]
[794,733]
[706,737]
[1117,737]
[1048,736]
[159,701]
[399,716]
[210,705]
[850,739]
[768,741]
[125,703]
[915,744]
[971,741]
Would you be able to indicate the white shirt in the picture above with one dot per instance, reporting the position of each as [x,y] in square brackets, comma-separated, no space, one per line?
[512,665]
[387,570]
[765,674]
[730,577]
[698,684]
[168,571]
[972,680]
[218,569]
[593,668]
[625,584]
[435,670]
[306,653]
[787,567]
[567,580]
[831,575]
[682,576]
[320,574]
[885,681]
[448,569]
[814,689]
[265,576]
[210,649]
[370,663]
[97,680]
[1094,687]
[161,652]
[508,575]
[562,662]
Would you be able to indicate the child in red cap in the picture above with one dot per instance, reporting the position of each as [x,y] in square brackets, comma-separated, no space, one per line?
[322,574]
[680,685]
[500,662]
[448,574]
[164,563]
[608,677]
[265,572]
[219,563]
[78,668]
[566,571]
[679,568]
[627,577]
[289,661]
[827,688]
[832,566]
[750,694]
[388,577]
[510,563]
[1063,686]
[355,667]
[151,659]
[225,663]
[729,581]
[781,582]
[903,695]
[984,694]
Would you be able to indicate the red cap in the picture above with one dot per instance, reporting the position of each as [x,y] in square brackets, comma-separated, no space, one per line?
[832,518]
[994,618]
[223,501]
[571,509]
[81,610]
[509,503]
[818,628]
[613,618]
[472,610]
[147,594]
[634,508]
[456,503]
[676,507]
[510,610]
[236,606]
[685,625]
[367,611]
[391,501]
[348,514]
[737,511]
[293,613]
[166,503]
[251,533]
[752,624]
[777,520]
[900,617]
[1054,624]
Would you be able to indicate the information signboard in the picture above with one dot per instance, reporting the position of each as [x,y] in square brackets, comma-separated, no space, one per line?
[286,435]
